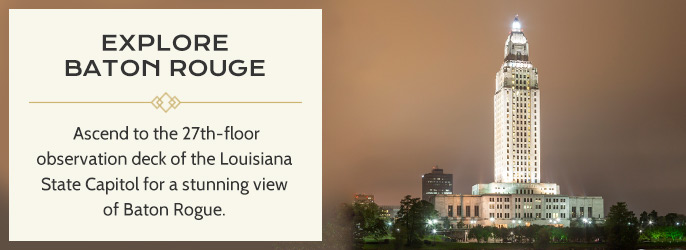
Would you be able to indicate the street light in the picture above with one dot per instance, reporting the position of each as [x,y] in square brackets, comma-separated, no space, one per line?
[586,222]
[650,222]
[434,232]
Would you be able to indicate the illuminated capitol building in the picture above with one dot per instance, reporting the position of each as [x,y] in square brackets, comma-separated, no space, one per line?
[517,197]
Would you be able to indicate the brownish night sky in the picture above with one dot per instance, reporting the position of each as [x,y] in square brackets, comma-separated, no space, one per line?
[410,85]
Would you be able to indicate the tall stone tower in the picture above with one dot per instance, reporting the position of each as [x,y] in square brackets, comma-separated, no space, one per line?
[517,109]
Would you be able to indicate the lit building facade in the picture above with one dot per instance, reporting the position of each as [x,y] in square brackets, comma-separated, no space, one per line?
[517,122]
[517,197]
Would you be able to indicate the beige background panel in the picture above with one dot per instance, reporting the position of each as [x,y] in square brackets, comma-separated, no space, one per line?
[289,41]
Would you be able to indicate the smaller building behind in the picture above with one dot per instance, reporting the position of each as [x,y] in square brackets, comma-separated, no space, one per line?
[435,183]
[363,198]
[389,211]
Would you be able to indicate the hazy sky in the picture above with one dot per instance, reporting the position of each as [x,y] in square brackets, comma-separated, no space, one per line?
[410,85]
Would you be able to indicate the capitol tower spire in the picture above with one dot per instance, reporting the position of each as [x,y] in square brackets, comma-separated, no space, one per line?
[517,119]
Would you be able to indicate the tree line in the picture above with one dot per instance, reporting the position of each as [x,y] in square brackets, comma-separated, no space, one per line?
[417,219]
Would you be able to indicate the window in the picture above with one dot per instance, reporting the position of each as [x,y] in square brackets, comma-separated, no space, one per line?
[590,212]
[450,210]
[581,212]
[459,211]
[467,211]
[476,211]
[573,212]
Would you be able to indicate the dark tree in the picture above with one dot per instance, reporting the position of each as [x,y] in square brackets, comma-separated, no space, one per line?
[367,218]
[446,223]
[643,218]
[621,227]
[413,219]
[671,219]
[503,233]
[530,231]
[480,233]
[460,224]
[653,216]
[542,238]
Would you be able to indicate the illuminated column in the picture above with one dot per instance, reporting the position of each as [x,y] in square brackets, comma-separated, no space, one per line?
[517,126]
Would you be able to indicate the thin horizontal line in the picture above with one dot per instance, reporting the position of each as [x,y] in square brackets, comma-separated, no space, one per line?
[151,102]
[240,102]
[88,102]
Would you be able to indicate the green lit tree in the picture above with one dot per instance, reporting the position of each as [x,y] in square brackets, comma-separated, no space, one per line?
[673,233]
[559,234]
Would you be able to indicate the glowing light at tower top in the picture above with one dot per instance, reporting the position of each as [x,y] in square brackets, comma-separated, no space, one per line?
[516,25]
